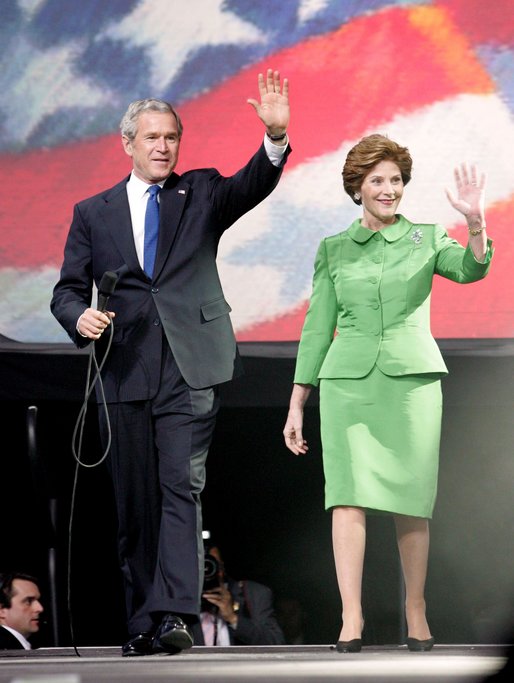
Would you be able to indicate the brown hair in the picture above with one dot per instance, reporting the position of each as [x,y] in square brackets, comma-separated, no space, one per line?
[366,154]
[7,591]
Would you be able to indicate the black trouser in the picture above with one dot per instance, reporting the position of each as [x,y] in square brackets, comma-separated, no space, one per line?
[157,461]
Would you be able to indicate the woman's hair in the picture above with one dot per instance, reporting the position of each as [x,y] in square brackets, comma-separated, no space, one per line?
[128,124]
[369,152]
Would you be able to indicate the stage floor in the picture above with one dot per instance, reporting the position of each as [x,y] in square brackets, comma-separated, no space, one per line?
[278,664]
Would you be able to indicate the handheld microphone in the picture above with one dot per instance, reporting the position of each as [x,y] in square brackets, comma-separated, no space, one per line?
[106,288]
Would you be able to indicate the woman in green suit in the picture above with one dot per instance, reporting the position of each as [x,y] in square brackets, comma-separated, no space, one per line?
[366,340]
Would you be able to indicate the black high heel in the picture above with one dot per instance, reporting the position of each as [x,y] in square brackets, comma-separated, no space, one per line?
[416,645]
[354,645]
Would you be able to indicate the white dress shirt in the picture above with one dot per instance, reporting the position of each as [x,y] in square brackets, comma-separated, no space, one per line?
[215,630]
[18,636]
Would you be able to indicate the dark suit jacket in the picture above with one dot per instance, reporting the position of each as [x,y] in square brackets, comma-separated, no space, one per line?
[8,641]
[185,297]
[256,624]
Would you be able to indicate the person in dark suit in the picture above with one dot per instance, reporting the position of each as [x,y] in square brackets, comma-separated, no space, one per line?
[172,345]
[20,610]
[234,612]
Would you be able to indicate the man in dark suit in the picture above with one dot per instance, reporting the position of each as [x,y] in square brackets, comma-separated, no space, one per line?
[20,609]
[172,344]
[234,612]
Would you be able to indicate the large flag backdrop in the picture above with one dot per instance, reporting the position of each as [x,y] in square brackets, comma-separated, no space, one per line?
[436,76]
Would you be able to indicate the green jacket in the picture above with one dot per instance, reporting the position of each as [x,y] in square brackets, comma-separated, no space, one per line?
[373,290]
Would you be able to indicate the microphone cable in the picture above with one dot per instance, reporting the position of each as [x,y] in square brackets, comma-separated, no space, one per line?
[77,453]
[106,288]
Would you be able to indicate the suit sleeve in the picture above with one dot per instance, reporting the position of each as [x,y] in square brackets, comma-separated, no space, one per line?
[235,195]
[458,263]
[73,293]
[257,623]
[320,322]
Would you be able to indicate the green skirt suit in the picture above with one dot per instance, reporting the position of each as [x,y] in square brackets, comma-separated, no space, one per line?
[366,340]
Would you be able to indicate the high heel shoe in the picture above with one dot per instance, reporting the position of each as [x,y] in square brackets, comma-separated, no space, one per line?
[416,645]
[354,645]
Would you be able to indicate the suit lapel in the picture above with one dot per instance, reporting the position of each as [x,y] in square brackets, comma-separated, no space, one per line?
[173,199]
[116,213]
[9,641]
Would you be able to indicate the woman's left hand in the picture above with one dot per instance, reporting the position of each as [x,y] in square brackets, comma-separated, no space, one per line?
[470,198]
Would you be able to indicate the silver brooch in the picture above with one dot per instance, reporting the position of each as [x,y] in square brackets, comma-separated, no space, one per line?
[417,236]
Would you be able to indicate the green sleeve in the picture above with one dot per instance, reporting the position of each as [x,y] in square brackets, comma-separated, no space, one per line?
[458,263]
[320,322]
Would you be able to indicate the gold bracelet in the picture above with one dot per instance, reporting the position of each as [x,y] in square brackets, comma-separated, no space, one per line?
[477,231]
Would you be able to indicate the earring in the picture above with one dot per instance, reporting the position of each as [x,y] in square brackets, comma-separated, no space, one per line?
[357,196]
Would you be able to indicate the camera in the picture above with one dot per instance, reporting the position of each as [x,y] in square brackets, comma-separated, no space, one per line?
[211,576]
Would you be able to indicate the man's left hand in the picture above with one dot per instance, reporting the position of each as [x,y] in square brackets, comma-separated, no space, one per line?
[273,109]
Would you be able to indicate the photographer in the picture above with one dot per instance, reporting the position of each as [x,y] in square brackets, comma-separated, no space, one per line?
[234,612]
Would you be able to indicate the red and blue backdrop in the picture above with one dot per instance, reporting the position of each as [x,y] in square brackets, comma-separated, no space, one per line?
[436,76]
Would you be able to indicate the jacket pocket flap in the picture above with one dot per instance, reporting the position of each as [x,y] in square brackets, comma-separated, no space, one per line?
[214,309]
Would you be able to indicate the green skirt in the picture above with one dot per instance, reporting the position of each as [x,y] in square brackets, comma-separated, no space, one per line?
[380,437]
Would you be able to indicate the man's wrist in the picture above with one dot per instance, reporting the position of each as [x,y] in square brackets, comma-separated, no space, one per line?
[276,136]
[234,617]
[233,621]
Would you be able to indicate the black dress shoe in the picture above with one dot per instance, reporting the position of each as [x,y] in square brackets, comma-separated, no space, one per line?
[354,645]
[138,645]
[172,636]
[416,645]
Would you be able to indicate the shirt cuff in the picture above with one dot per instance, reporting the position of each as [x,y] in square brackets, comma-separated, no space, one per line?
[77,327]
[275,152]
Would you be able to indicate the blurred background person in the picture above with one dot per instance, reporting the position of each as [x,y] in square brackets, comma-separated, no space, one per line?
[234,612]
[20,610]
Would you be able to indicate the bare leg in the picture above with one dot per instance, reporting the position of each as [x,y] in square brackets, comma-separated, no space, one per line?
[413,538]
[349,542]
